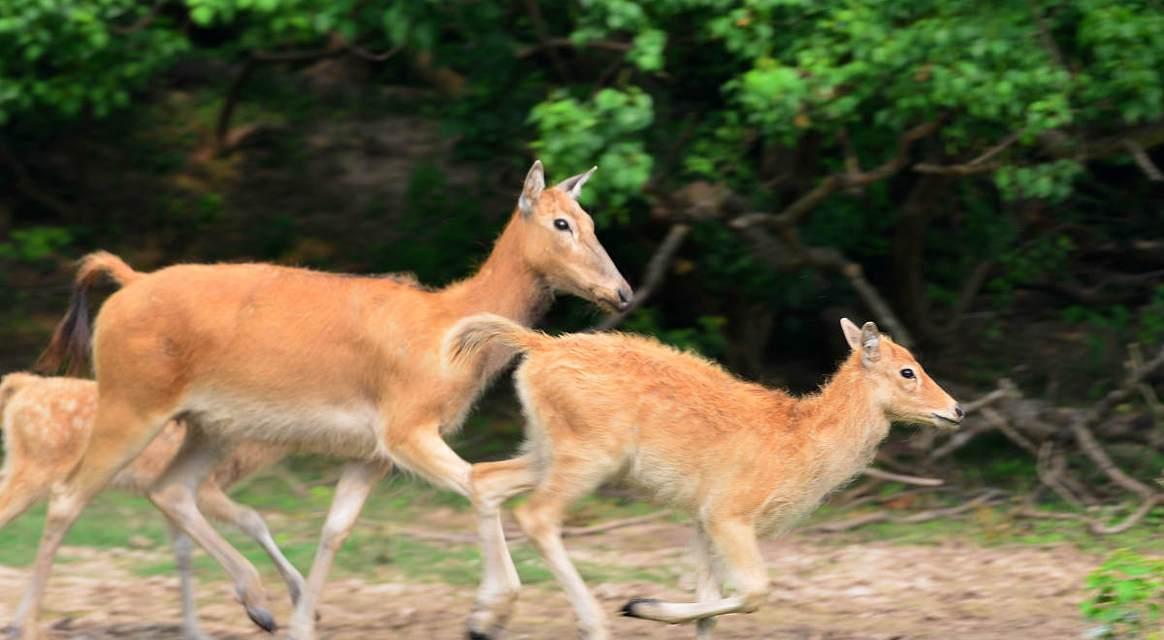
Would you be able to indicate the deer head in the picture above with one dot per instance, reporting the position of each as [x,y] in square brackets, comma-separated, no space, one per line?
[898,381]
[557,241]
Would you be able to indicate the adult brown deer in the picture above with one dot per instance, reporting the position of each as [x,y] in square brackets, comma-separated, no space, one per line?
[740,458]
[347,366]
[47,423]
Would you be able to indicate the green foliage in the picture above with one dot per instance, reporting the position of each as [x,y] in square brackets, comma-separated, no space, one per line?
[35,243]
[572,133]
[1052,181]
[765,97]
[1126,596]
[1150,328]
[61,58]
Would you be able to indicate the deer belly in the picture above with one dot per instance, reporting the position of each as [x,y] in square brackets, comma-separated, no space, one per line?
[350,431]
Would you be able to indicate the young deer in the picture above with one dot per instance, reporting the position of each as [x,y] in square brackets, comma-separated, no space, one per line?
[46,424]
[740,458]
[348,366]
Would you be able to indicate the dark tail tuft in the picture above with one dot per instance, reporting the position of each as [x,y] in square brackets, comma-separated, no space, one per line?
[68,350]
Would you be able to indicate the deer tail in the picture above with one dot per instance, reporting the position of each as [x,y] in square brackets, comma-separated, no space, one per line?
[68,350]
[470,336]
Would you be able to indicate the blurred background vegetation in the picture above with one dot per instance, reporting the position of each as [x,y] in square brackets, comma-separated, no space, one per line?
[981,179]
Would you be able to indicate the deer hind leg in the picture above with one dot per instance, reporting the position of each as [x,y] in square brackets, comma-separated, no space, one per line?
[427,454]
[491,484]
[119,434]
[735,544]
[351,492]
[183,555]
[174,493]
[20,487]
[569,478]
[708,579]
[216,505]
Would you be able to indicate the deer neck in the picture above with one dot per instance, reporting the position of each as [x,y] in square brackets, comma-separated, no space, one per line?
[504,285]
[846,421]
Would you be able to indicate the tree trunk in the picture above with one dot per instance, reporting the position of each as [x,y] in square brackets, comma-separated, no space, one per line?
[908,251]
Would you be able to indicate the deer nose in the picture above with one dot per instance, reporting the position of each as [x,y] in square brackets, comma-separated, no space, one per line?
[624,296]
[959,412]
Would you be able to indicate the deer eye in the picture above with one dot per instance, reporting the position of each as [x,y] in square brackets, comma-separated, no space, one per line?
[907,373]
[561,225]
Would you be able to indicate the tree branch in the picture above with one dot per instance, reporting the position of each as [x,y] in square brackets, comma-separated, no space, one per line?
[655,273]
[916,518]
[140,23]
[1143,161]
[902,478]
[566,43]
[543,35]
[788,254]
[1058,144]
[795,212]
[1081,427]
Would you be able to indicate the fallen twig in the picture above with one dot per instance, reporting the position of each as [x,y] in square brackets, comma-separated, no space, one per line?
[922,516]
[902,478]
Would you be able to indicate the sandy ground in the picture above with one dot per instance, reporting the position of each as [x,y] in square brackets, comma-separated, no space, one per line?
[820,591]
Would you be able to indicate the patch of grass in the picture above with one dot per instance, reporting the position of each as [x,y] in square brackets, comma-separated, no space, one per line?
[996,525]
[110,522]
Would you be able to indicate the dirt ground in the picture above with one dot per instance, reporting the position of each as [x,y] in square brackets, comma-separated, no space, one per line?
[820,590]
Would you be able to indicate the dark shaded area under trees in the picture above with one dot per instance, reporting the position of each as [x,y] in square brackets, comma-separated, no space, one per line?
[985,184]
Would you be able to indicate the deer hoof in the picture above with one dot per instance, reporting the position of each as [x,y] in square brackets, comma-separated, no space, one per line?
[628,609]
[262,618]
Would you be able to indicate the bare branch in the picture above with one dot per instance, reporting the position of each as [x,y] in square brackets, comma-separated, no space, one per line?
[795,212]
[1048,40]
[999,422]
[1004,389]
[956,169]
[1081,427]
[977,165]
[916,518]
[1050,466]
[1145,163]
[787,254]
[1127,523]
[372,56]
[139,24]
[904,479]
[655,274]
[543,34]
[960,439]
[970,288]
[230,101]
[566,43]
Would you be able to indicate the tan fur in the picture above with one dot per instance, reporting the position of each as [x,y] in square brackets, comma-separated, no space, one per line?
[47,424]
[740,458]
[343,365]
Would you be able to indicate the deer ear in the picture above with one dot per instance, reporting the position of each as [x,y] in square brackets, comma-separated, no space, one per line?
[573,185]
[852,333]
[535,183]
[871,342]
